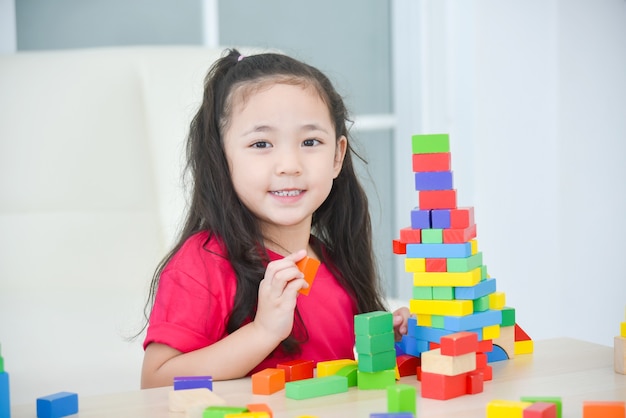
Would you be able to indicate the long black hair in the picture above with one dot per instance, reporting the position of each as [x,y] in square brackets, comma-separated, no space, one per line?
[341,225]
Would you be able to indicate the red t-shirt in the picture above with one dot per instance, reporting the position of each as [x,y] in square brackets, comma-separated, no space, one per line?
[196,294]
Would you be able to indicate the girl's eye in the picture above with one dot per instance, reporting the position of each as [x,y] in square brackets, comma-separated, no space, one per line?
[311,142]
[261,144]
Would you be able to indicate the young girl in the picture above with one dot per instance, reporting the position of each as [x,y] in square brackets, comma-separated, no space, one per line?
[273,182]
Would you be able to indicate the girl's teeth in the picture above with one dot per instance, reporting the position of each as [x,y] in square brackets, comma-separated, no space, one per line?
[287,192]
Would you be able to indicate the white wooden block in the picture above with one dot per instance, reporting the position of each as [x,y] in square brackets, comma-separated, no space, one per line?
[435,362]
[182,400]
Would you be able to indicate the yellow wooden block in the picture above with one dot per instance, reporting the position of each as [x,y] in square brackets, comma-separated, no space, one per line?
[619,354]
[524,347]
[331,367]
[424,320]
[414,265]
[497,301]
[506,409]
[474,245]
[182,400]
[491,332]
[397,372]
[468,278]
[622,329]
[441,307]
[435,362]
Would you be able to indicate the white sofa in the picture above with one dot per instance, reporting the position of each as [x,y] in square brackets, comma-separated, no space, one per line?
[91,154]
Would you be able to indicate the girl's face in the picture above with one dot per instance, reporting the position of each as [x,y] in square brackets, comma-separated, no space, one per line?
[283,155]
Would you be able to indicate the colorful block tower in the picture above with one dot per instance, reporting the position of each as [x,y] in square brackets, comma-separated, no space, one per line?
[375,347]
[452,291]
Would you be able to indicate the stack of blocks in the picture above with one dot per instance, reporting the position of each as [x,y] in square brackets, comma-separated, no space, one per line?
[452,291]
[5,398]
[619,348]
[193,395]
[375,348]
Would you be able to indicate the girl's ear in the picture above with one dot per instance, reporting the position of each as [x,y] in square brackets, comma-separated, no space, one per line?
[340,153]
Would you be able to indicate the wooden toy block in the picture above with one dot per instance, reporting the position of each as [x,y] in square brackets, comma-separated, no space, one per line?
[437,199]
[430,144]
[392,415]
[481,304]
[433,180]
[442,387]
[622,329]
[372,323]
[409,235]
[619,354]
[474,245]
[464,264]
[222,411]
[497,354]
[440,218]
[487,372]
[604,409]
[330,367]
[462,217]
[439,161]
[316,387]
[376,380]
[481,360]
[443,293]
[491,332]
[258,414]
[423,293]
[424,320]
[376,362]
[193,382]
[5,395]
[456,235]
[506,409]
[372,344]
[523,347]
[420,219]
[268,381]
[57,405]
[469,278]
[439,250]
[473,321]
[459,343]
[520,334]
[430,335]
[540,410]
[182,400]
[309,267]
[441,307]
[436,265]
[506,341]
[415,265]
[437,321]
[297,369]
[398,247]
[508,317]
[350,373]
[407,364]
[432,236]
[485,346]
[474,383]
[414,346]
[401,398]
[434,362]
[497,300]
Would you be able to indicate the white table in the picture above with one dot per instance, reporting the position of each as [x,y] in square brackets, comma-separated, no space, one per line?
[571,369]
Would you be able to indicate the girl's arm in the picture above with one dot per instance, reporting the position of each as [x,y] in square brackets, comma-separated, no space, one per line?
[401,322]
[238,353]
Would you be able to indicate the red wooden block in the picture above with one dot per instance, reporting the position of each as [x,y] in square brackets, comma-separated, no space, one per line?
[604,409]
[439,161]
[407,364]
[474,382]
[481,360]
[456,236]
[520,334]
[459,343]
[442,387]
[433,345]
[485,346]
[297,369]
[487,372]
[462,218]
[437,199]
[268,381]
[418,373]
[309,267]
[436,265]
[540,410]
[399,247]
[409,235]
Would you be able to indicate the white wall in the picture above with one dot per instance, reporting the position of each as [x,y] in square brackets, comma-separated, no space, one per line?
[533,95]
[8,37]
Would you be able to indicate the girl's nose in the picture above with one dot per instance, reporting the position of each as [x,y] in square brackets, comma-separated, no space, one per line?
[288,162]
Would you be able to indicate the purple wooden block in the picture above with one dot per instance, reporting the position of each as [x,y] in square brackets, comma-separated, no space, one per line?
[392,415]
[433,180]
[420,219]
[193,382]
[440,218]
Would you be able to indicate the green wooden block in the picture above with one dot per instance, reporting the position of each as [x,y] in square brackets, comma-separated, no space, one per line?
[422,292]
[461,265]
[432,236]
[376,380]
[437,321]
[508,317]
[221,411]
[401,398]
[443,293]
[428,144]
[350,373]
[316,387]
[372,344]
[372,323]
[548,399]
[377,362]
[481,304]
[1,364]
[483,272]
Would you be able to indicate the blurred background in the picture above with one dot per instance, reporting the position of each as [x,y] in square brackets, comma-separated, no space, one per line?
[532,93]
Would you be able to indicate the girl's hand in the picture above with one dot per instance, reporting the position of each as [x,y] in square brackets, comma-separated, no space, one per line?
[278,292]
[400,322]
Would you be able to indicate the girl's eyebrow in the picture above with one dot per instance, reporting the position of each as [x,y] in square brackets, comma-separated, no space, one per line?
[306,128]
[313,127]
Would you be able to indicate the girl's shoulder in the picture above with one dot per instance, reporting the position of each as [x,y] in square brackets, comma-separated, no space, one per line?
[199,249]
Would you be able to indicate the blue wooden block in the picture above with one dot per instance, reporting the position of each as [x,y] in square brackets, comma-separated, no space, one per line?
[420,219]
[193,382]
[483,288]
[57,405]
[434,334]
[433,180]
[440,218]
[475,320]
[497,354]
[413,346]
[439,250]
[5,398]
